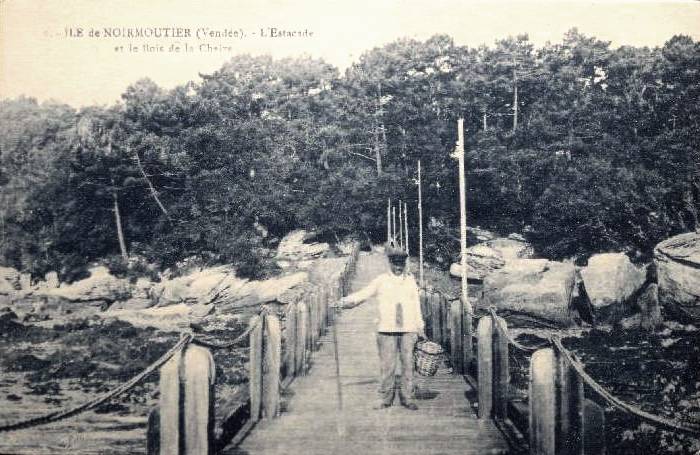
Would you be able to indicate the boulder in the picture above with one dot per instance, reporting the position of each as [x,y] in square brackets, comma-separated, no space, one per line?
[479,235]
[537,287]
[609,280]
[10,275]
[512,248]
[678,265]
[101,285]
[295,247]
[6,287]
[481,260]
[255,293]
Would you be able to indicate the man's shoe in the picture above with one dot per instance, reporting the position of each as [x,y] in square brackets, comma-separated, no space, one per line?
[409,406]
[382,405]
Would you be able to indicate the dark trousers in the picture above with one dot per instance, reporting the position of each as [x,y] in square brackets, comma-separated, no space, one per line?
[393,346]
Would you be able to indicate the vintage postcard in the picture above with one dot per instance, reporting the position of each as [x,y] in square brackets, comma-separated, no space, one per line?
[354,227]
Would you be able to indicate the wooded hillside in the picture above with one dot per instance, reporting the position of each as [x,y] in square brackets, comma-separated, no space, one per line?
[582,147]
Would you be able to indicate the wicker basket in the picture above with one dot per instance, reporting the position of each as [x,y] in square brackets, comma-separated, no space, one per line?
[428,357]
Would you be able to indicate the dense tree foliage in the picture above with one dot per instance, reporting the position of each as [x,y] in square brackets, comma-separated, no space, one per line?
[582,147]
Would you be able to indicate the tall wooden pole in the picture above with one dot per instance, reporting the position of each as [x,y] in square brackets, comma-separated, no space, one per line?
[515,98]
[405,229]
[420,228]
[393,224]
[400,224]
[388,221]
[463,212]
[467,308]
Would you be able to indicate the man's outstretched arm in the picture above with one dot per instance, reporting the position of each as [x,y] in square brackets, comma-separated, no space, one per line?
[360,296]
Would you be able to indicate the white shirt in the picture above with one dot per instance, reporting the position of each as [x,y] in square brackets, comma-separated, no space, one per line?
[399,302]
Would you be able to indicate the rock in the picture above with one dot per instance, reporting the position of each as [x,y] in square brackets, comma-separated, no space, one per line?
[259,292]
[479,235]
[678,265]
[537,287]
[294,247]
[631,322]
[6,287]
[611,278]
[10,275]
[650,310]
[99,286]
[25,281]
[481,260]
[51,279]
[171,292]
[511,248]
[6,314]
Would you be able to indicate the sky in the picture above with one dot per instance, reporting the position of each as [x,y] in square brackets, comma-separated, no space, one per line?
[43,55]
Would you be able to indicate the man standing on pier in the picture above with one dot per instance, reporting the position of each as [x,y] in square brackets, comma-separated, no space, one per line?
[399,324]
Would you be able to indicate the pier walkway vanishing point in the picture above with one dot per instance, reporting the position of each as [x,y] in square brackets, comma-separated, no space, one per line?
[310,422]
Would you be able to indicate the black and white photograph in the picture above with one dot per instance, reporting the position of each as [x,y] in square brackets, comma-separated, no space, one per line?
[382,227]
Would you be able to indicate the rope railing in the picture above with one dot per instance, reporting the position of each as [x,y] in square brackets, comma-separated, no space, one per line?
[192,373]
[667,423]
[64,414]
[557,403]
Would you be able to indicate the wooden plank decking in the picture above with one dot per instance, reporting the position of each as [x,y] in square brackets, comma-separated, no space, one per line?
[444,423]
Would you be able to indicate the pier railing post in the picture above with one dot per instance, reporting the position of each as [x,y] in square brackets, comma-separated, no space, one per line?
[187,403]
[485,366]
[456,336]
[500,368]
[467,340]
[302,325]
[255,367]
[435,316]
[271,372]
[570,418]
[290,339]
[543,403]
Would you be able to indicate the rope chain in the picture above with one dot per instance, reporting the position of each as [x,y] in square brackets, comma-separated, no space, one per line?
[66,413]
[619,404]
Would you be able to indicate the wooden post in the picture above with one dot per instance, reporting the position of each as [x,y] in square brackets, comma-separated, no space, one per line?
[468,310]
[456,336]
[463,213]
[594,429]
[255,368]
[543,370]
[436,316]
[485,367]
[420,228]
[198,382]
[405,230]
[302,324]
[271,371]
[388,222]
[445,322]
[187,403]
[570,425]
[393,225]
[400,224]
[467,340]
[291,338]
[500,369]
[153,432]
[170,404]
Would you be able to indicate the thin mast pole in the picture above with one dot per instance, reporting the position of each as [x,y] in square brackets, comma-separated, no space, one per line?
[388,221]
[463,213]
[405,230]
[400,224]
[420,228]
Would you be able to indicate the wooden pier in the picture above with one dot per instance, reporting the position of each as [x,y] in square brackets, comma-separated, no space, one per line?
[311,423]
